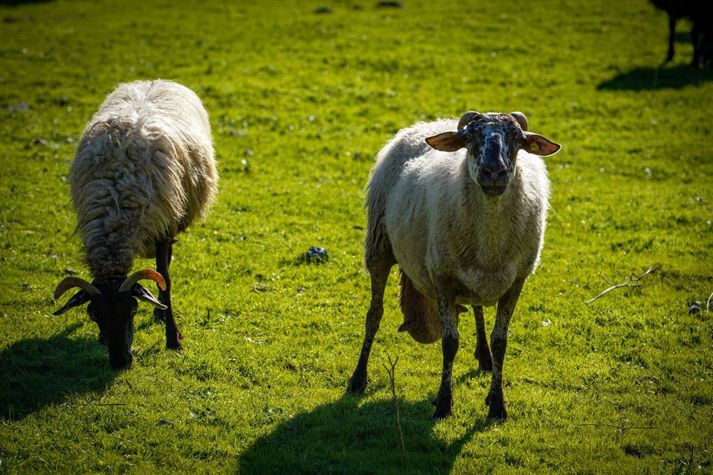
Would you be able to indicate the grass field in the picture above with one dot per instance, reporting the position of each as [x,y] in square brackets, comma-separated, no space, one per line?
[300,103]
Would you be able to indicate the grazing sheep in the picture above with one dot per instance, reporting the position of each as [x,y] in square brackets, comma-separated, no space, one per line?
[701,16]
[144,170]
[462,211]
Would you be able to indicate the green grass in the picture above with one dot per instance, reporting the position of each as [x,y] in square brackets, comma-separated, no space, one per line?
[300,103]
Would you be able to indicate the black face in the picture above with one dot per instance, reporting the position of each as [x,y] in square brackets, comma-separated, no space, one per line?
[114,313]
[493,142]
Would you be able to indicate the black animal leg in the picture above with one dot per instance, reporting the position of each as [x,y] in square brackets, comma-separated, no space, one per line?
[379,275]
[482,350]
[498,344]
[449,341]
[164,252]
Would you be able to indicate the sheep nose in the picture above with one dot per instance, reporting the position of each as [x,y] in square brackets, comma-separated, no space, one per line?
[496,171]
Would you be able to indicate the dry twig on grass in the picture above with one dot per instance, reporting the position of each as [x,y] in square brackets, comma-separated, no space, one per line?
[620,428]
[392,378]
[708,302]
[70,404]
[632,281]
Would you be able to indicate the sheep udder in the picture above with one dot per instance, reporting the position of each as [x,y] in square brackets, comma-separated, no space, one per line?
[421,319]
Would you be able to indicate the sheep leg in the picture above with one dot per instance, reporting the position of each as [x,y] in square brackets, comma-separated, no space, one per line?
[379,275]
[696,38]
[158,314]
[164,251]
[671,38]
[498,344]
[482,350]
[449,345]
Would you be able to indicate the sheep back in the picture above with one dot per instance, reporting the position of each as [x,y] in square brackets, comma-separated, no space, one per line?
[145,169]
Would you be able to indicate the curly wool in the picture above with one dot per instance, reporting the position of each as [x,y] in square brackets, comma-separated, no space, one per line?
[145,169]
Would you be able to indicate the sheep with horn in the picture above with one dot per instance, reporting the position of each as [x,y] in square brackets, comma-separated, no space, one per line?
[143,172]
[461,207]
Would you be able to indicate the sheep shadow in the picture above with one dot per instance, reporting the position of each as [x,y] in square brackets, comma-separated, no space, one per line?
[649,78]
[37,372]
[347,436]
[15,3]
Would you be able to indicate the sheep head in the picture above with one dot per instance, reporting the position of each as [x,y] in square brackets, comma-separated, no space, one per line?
[112,305]
[492,141]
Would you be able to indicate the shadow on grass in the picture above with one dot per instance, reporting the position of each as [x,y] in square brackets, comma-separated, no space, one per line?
[348,437]
[15,3]
[37,372]
[648,78]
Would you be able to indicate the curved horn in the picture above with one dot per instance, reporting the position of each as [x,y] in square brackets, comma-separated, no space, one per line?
[467,118]
[521,119]
[149,274]
[72,282]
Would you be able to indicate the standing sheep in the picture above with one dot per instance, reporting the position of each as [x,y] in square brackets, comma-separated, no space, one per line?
[701,16]
[462,212]
[144,171]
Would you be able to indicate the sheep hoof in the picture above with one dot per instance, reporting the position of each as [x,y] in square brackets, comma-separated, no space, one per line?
[444,406]
[174,345]
[442,413]
[496,404]
[497,414]
[175,342]
[356,385]
[443,410]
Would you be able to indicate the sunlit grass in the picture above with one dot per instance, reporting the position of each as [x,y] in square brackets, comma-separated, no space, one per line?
[300,103]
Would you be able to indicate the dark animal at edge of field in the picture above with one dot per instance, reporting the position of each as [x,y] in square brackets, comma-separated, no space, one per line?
[700,13]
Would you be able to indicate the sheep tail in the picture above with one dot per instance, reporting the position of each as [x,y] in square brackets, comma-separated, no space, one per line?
[421,319]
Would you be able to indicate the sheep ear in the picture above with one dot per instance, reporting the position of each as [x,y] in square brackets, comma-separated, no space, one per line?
[540,145]
[447,141]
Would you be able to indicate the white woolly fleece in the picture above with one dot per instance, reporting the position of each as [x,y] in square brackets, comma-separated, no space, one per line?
[443,228]
[144,169]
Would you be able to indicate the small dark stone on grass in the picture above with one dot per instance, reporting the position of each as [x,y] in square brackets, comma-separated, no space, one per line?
[22,106]
[633,451]
[322,10]
[694,308]
[315,255]
[389,5]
